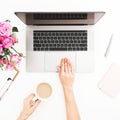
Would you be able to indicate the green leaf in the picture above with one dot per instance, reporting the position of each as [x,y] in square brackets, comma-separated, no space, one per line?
[14,29]
[1,65]
[6,59]
[1,56]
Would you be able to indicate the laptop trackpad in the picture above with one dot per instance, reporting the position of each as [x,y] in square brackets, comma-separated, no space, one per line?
[35,61]
[52,59]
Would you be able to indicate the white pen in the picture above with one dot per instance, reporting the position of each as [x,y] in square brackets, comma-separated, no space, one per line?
[108,47]
[5,87]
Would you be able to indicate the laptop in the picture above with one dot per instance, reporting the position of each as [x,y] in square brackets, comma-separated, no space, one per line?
[51,36]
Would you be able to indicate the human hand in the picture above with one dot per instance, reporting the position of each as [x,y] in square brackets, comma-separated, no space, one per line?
[66,73]
[29,107]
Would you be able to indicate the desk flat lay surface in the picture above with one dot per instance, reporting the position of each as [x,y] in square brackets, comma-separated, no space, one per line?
[92,103]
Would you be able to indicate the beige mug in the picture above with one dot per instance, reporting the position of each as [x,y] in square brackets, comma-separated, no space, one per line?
[43,91]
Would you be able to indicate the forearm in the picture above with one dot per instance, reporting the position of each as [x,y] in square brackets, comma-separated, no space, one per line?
[22,116]
[71,107]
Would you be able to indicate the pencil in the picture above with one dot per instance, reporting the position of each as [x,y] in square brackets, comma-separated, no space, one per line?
[108,47]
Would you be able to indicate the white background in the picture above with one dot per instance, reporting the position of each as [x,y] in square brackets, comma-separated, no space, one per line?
[93,104]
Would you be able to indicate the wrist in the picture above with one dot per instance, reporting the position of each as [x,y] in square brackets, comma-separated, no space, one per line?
[68,93]
[68,88]
[22,116]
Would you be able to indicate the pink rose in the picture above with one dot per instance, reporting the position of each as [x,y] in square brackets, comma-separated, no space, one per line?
[1,48]
[5,29]
[8,42]
[15,59]
[1,39]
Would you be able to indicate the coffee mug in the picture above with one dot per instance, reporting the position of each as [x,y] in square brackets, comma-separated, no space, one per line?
[43,91]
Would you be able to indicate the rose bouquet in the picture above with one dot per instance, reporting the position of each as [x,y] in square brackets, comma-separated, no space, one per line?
[9,56]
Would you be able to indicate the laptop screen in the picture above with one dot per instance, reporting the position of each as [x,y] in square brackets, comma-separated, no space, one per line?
[59,18]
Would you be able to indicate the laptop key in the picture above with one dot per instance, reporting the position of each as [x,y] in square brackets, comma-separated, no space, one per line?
[58,49]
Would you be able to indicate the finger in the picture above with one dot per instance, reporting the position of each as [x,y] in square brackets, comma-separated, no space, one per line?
[61,63]
[65,65]
[67,69]
[30,97]
[37,102]
[62,67]
[58,68]
[70,66]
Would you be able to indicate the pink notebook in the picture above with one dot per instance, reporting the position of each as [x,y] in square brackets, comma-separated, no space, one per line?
[110,83]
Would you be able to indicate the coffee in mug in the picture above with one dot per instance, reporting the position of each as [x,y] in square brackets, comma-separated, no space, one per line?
[44,90]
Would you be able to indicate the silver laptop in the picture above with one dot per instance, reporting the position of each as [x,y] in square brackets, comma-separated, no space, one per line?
[51,36]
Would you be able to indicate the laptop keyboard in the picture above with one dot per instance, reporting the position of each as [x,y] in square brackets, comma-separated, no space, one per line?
[60,40]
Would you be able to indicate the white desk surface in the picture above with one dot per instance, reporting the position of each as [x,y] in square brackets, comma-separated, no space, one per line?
[93,104]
